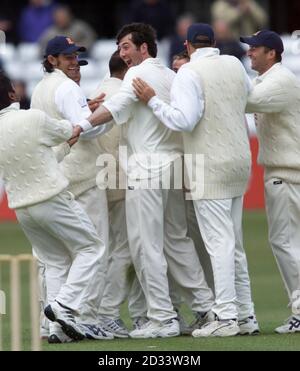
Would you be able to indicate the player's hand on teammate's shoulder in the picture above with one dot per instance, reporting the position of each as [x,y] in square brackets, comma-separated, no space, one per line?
[142,90]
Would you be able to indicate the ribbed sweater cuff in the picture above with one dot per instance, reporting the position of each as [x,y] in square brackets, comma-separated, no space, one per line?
[78,188]
[222,191]
[288,175]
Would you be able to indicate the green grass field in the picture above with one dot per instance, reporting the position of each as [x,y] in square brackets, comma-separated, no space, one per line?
[268,293]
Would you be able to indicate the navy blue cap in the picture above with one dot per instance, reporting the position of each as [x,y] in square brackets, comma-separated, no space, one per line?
[62,45]
[267,38]
[197,31]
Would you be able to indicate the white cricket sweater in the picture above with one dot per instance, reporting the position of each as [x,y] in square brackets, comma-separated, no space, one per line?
[221,134]
[30,170]
[276,100]
[142,132]
[79,166]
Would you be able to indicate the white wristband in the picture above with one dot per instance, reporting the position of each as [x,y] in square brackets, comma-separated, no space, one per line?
[85,125]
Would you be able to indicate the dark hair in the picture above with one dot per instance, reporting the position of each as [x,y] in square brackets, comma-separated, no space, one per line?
[5,88]
[183,55]
[141,33]
[48,67]
[278,56]
[116,64]
[203,42]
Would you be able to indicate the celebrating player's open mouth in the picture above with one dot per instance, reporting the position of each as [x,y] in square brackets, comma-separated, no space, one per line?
[129,62]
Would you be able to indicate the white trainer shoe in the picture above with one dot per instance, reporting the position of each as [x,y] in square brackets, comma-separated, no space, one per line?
[59,338]
[139,322]
[153,329]
[201,319]
[218,328]
[290,326]
[95,332]
[116,327]
[249,326]
[56,312]
[56,334]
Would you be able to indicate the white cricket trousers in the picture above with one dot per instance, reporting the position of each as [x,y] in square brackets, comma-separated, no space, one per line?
[94,203]
[44,322]
[67,242]
[195,235]
[283,213]
[157,235]
[220,223]
[118,278]
[121,280]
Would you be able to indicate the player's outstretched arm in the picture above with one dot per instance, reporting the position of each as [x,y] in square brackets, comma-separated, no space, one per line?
[100,116]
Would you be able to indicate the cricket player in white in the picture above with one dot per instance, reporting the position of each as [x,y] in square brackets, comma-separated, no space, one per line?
[121,281]
[275,100]
[61,98]
[208,100]
[118,282]
[54,223]
[64,149]
[153,213]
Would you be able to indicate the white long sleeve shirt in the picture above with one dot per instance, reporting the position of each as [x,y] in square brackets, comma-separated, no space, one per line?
[187,98]
[144,133]
[77,166]
[72,104]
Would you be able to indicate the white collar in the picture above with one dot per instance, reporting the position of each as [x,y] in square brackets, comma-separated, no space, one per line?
[260,78]
[204,52]
[151,60]
[12,107]
[60,72]
[15,106]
